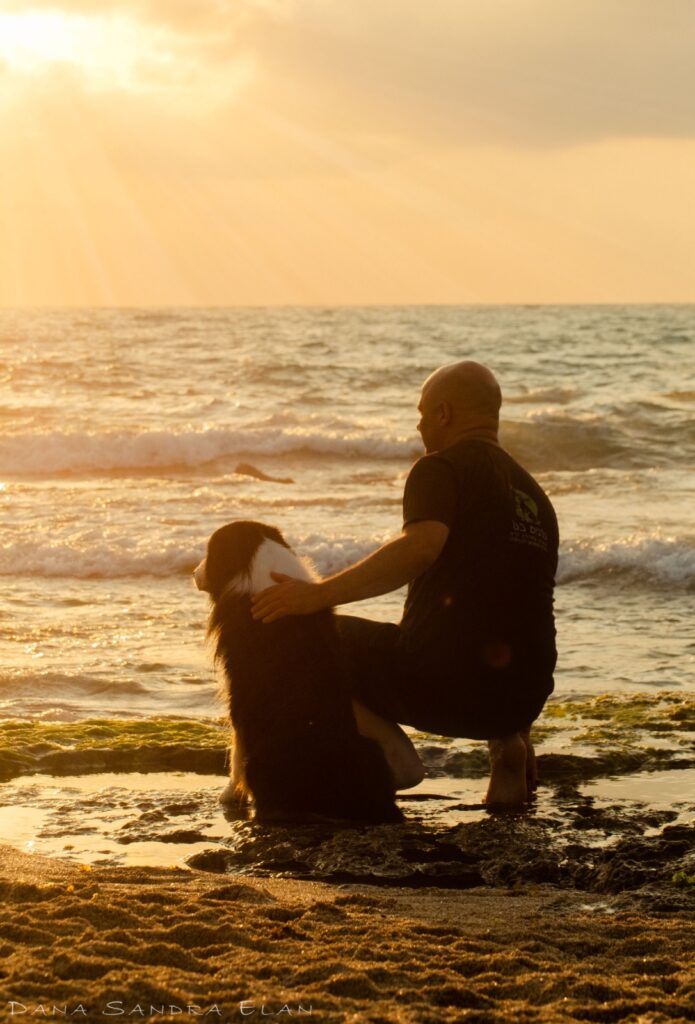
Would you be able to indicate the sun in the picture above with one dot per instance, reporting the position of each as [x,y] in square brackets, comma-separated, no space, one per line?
[30,40]
[105,49]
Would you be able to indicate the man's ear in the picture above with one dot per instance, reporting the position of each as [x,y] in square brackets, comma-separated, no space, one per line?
[446,413]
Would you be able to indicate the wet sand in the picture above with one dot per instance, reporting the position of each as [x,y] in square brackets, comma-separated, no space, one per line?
[128,943]
[151,900]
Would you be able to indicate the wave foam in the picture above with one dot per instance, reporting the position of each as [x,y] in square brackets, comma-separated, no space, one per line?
[36,455]
[663,562]
[100,561]
[649,561]
[544,440]
[119,560]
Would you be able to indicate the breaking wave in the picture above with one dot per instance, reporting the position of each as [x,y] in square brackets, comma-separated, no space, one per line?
[543,441]
[553,395]
[55,453]
[118,560]
[549,441]
[654,561]
[645,561]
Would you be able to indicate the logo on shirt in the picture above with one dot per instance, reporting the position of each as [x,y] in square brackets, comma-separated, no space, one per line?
[525,508]
[526,524]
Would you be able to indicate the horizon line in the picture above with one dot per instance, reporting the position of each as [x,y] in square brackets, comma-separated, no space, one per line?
[527,304]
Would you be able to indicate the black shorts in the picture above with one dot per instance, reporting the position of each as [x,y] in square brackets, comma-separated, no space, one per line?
[432,692]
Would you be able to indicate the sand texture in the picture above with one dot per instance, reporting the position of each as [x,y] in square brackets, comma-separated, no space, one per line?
[577,909]
[129,944]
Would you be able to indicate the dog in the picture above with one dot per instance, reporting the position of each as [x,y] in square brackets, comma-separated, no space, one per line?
[297,753]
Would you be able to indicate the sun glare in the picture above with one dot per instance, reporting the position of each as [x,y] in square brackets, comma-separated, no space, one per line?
[115,52]
[106,50]
[41,37]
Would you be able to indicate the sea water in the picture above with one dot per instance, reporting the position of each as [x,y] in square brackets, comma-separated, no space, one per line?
[121,432]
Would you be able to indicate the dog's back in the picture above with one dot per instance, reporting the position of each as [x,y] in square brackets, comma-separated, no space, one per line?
[291,709]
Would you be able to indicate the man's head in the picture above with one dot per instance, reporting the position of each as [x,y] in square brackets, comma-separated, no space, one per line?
[460,400]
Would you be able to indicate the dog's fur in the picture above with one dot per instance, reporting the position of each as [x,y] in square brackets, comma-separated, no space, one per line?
[297,751]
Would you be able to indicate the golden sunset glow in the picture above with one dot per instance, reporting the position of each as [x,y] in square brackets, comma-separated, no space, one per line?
[29,40]
[103,52]
[339,152]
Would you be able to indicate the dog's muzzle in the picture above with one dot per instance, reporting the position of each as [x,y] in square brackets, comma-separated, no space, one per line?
[200,576]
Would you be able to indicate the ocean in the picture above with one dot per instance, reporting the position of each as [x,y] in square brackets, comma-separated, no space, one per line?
[121,436]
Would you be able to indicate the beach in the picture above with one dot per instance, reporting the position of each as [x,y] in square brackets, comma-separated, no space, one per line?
[125,882]
[151,943]
[578,908]
[259,257]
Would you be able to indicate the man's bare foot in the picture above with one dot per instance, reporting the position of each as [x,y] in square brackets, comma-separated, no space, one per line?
[531,769]
[507,786]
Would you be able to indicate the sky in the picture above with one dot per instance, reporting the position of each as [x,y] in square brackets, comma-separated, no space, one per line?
[252,152]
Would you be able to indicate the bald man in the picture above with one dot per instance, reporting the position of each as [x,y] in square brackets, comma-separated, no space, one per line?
[474,653]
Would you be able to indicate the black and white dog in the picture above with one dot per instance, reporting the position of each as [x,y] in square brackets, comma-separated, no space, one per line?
[296,749]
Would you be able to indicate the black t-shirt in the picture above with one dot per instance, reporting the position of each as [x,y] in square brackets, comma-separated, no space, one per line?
[488,598]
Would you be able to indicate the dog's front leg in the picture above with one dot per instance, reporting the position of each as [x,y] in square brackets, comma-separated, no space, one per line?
[401,756]
[235,792]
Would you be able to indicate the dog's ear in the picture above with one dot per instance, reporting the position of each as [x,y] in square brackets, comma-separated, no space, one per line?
[231,551]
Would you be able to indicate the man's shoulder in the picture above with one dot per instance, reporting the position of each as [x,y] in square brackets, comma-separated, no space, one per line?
[489,467]
[431,464]
[473,453]
[464,464]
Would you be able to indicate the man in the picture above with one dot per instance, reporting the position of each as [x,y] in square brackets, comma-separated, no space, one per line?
[474,653]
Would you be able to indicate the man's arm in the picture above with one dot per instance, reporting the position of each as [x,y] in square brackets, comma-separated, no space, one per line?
[388,568]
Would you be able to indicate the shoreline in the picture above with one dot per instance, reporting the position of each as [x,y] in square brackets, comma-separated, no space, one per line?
[577,909]
[136,943]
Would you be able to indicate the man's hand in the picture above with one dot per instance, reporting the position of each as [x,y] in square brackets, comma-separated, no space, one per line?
[388,568]
[289,597]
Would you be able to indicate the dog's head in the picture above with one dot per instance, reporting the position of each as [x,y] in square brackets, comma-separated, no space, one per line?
[241,556]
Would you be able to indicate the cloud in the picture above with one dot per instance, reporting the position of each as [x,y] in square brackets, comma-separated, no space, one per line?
[347,150]
[197,17]
[261,87]
[529,72]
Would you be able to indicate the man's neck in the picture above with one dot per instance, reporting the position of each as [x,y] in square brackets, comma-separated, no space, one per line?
[475,432]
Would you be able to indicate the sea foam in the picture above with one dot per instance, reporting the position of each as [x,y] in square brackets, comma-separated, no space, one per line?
[642,561]
[666,562]
[56,453]
[543,441]
[118,560]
